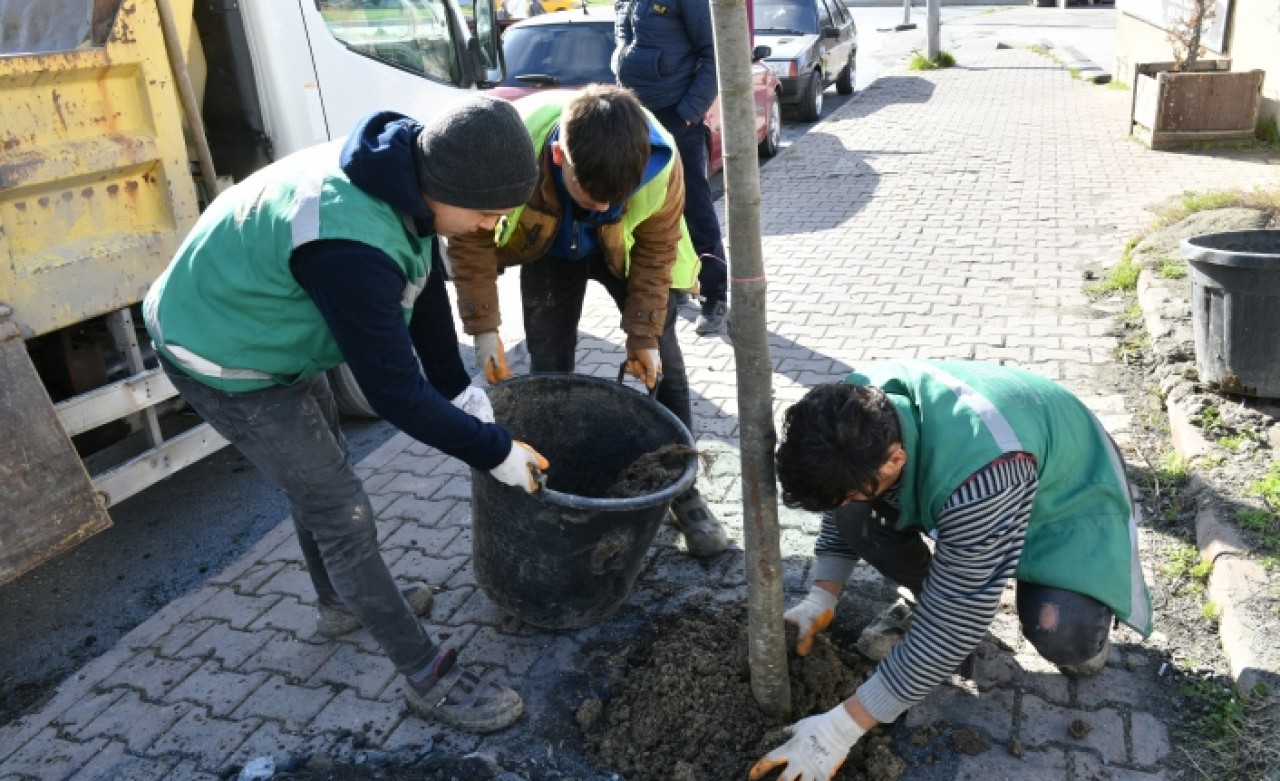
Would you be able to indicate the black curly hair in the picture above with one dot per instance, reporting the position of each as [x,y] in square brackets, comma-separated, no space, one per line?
[834,441]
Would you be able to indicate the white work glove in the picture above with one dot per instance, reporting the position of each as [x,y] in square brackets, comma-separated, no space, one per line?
[812,615]
[492,357]
[475,402]
[645,365]
[520,466]
[818,747]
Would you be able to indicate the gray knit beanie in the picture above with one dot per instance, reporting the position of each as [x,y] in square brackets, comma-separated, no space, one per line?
[476,154]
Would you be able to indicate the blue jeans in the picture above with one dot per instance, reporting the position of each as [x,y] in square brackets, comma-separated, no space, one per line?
[699,208]
[291,433]
[552,290]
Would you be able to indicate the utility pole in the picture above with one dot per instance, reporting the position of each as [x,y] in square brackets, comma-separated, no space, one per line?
[767,651]
[933,26]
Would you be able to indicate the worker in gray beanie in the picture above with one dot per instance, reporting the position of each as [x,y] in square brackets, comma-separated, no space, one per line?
[476,155]
[330,256]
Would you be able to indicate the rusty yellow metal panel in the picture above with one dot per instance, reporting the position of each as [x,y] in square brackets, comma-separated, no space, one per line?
[49,503]
[96,191]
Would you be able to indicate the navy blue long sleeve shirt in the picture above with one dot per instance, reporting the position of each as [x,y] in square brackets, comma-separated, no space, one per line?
[358,290]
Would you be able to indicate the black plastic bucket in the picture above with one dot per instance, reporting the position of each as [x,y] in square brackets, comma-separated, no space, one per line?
[1235,309]
[567,556]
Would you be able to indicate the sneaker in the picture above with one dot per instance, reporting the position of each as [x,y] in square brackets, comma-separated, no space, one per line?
[1090,666]
[448,693]
[703,534]
[878,639]
[712,318]
[334,619]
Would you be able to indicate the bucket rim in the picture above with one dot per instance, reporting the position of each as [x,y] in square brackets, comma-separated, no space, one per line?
[1200,249]
[576,502]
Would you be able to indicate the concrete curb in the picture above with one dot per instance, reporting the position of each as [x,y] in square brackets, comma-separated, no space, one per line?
[1234,577]
[1084,68]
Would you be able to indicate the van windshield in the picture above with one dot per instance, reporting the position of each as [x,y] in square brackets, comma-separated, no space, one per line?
[412,35]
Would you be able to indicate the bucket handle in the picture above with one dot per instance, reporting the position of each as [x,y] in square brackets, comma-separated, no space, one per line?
[622,372]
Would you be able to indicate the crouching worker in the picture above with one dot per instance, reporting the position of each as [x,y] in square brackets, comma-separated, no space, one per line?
[328,256]
[1014,476]
[606,208]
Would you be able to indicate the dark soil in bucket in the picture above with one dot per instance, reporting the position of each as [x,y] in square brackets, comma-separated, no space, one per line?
[683,709]
[652,472]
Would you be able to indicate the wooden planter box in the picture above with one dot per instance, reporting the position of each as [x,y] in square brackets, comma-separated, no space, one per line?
[1211,103]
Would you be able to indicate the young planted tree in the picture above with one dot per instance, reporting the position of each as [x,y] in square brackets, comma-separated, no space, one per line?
[1186,31]
[767,653]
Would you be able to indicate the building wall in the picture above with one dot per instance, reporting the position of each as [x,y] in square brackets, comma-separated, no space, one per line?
[1253,41]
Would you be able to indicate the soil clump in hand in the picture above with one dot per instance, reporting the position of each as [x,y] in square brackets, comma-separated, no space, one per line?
[685,709]
[652,472]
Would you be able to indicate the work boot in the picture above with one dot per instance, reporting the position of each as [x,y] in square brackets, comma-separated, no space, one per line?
[878,639]
[334,619]
[703,534]
[448,693]
[1090,666]
[712,318]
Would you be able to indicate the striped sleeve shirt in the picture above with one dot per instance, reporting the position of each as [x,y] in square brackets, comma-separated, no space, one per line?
[980,533]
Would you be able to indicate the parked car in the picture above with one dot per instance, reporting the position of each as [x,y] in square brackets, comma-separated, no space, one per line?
[515,10]
[572,49]
[814,43]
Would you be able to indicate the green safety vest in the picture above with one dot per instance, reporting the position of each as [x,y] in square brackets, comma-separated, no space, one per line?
[958,416]
[541,113]
[228,310]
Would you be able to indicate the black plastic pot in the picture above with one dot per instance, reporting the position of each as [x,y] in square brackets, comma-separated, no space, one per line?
[1235,309]
[567,556]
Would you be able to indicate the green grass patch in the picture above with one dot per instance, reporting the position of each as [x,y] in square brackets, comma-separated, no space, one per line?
[1120,278]
[1267,488]
[1231,734]
[1240,439]
[1268,132]
[1197,201]
[1255,520]
[1171,268]
[921,62]
[1171,468]
[1184,563]
[1117,85]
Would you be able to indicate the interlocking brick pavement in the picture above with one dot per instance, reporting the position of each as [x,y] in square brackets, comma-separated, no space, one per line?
[946,214]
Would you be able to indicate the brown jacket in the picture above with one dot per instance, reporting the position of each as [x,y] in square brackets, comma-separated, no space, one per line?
[476,259]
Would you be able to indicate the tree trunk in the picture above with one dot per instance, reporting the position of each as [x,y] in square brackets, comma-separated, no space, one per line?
[933,29]
[747,328]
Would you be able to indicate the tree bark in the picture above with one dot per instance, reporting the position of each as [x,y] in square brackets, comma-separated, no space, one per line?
[767,652]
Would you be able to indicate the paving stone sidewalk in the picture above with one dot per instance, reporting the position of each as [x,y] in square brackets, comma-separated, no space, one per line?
[946,214]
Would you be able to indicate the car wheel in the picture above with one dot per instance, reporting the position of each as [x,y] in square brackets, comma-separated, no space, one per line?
[347,394]
[845,79]
[810,107]
[773,128]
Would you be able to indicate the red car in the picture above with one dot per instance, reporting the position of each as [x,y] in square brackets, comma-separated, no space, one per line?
[571,49]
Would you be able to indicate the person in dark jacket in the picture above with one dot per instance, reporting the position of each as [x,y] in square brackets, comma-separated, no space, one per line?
[1013,477]
[326,256]
[666,54]
[606,208]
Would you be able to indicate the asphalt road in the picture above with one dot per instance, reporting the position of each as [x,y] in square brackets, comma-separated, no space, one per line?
[169,538]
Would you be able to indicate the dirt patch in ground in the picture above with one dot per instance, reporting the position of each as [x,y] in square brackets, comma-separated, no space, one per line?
[1225,477]
[683,709]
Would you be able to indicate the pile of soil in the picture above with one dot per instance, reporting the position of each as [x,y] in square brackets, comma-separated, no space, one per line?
[682,708]
[652,472]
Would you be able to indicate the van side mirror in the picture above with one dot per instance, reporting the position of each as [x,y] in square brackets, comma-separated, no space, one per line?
[830,32]
[484,49]
[761,53]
